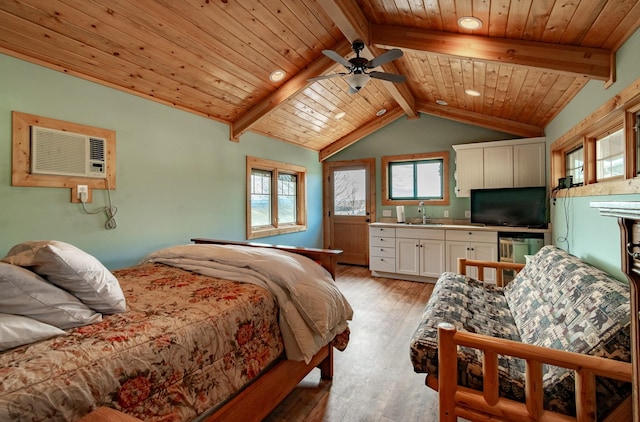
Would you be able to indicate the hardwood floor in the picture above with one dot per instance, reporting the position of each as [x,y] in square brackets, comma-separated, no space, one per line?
[373,378]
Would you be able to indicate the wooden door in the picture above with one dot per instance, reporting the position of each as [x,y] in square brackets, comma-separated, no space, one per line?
[349,203]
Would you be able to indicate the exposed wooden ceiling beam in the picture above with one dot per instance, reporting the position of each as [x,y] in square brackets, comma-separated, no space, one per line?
[479,119]
[360,133]
[595,63]
[287,90]
[348,16]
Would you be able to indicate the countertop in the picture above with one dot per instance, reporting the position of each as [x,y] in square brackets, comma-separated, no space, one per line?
[453,226]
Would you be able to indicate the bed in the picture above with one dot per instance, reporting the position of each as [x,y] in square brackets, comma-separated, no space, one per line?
[203,331]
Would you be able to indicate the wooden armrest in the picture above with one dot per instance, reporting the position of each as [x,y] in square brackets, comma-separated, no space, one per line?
[457,400]
[463,263]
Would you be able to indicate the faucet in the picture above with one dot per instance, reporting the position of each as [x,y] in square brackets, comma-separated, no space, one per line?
[422,210]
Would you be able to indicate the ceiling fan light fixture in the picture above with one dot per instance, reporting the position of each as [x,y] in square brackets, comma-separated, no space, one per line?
[277,75]
[472,92]
[469,22]
[357,81]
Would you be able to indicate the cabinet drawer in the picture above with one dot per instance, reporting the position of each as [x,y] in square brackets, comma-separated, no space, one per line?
[472,236]
[382,231]
[377,263]
[388,242]
[420,233]
[382,251]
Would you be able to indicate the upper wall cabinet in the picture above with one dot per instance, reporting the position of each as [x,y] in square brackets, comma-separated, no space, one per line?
[500,164]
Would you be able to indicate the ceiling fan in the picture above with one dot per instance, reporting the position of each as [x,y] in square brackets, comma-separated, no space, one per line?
[359,68]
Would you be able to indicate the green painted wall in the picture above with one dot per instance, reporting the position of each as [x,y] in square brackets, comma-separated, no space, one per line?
[178,175]
[576,226]
[425,134]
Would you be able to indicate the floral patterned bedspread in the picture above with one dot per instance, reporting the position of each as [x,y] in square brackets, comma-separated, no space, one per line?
[185,344]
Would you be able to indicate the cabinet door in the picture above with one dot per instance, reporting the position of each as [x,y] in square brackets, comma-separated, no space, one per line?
[407,256]
[485,252]
[455,250]
[432,262]
[529,165]
[498,167]
[469,170]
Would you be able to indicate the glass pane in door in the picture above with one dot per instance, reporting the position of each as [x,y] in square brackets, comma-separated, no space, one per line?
[349,192]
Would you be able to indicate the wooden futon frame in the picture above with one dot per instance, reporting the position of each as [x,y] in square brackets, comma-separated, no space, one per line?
[486,405]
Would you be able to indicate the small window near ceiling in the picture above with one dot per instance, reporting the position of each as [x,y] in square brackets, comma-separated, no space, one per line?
[610,155]
[276,198]
[575,165]
[416,177]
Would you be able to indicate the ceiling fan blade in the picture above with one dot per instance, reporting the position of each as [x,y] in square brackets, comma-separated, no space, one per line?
[385,58]
[319,78]
[391,77]
[337,57]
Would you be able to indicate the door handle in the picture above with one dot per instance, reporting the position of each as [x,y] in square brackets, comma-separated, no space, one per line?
[367,220]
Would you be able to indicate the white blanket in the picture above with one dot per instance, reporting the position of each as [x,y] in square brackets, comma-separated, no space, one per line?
[312,309]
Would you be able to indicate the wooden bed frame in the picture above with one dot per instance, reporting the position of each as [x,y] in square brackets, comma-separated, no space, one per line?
[455,400]
[270,388]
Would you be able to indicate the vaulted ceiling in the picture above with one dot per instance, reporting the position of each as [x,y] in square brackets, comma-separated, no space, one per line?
[214,57]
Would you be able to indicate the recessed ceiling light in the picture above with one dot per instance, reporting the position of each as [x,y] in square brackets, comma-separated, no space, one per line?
[442,102]
[469,22]
[277,75]
[381,112]
[472,92]
[340,115]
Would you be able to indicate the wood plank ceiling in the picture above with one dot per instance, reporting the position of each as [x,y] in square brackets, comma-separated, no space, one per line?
[214,58]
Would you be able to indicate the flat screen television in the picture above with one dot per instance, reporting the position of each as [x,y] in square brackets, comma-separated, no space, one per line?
[516,207]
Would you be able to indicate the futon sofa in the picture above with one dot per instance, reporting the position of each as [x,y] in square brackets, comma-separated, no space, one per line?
[556,301]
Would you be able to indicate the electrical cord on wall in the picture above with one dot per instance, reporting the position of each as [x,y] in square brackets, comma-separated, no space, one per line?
[565,205]
[110,209]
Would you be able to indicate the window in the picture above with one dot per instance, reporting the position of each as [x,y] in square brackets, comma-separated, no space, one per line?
[276,198]
[610,155]
[416,177]
[575,165]
[610,140]
[350,192]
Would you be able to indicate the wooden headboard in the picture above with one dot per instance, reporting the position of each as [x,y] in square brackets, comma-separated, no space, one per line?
[328,258]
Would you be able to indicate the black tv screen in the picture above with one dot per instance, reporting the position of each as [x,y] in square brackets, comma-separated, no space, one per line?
[521,207]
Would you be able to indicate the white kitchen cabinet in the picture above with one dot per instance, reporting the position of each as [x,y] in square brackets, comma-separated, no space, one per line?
[500,164]
[472,244]
[382,249]
[529,164]
[498,167]
[420,252]
[469,170]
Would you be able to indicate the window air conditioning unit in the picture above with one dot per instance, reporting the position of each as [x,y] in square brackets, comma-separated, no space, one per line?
[67,154]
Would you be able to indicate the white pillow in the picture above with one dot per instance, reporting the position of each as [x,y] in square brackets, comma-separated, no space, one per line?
[16,330]
[72,269]
[26,293]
